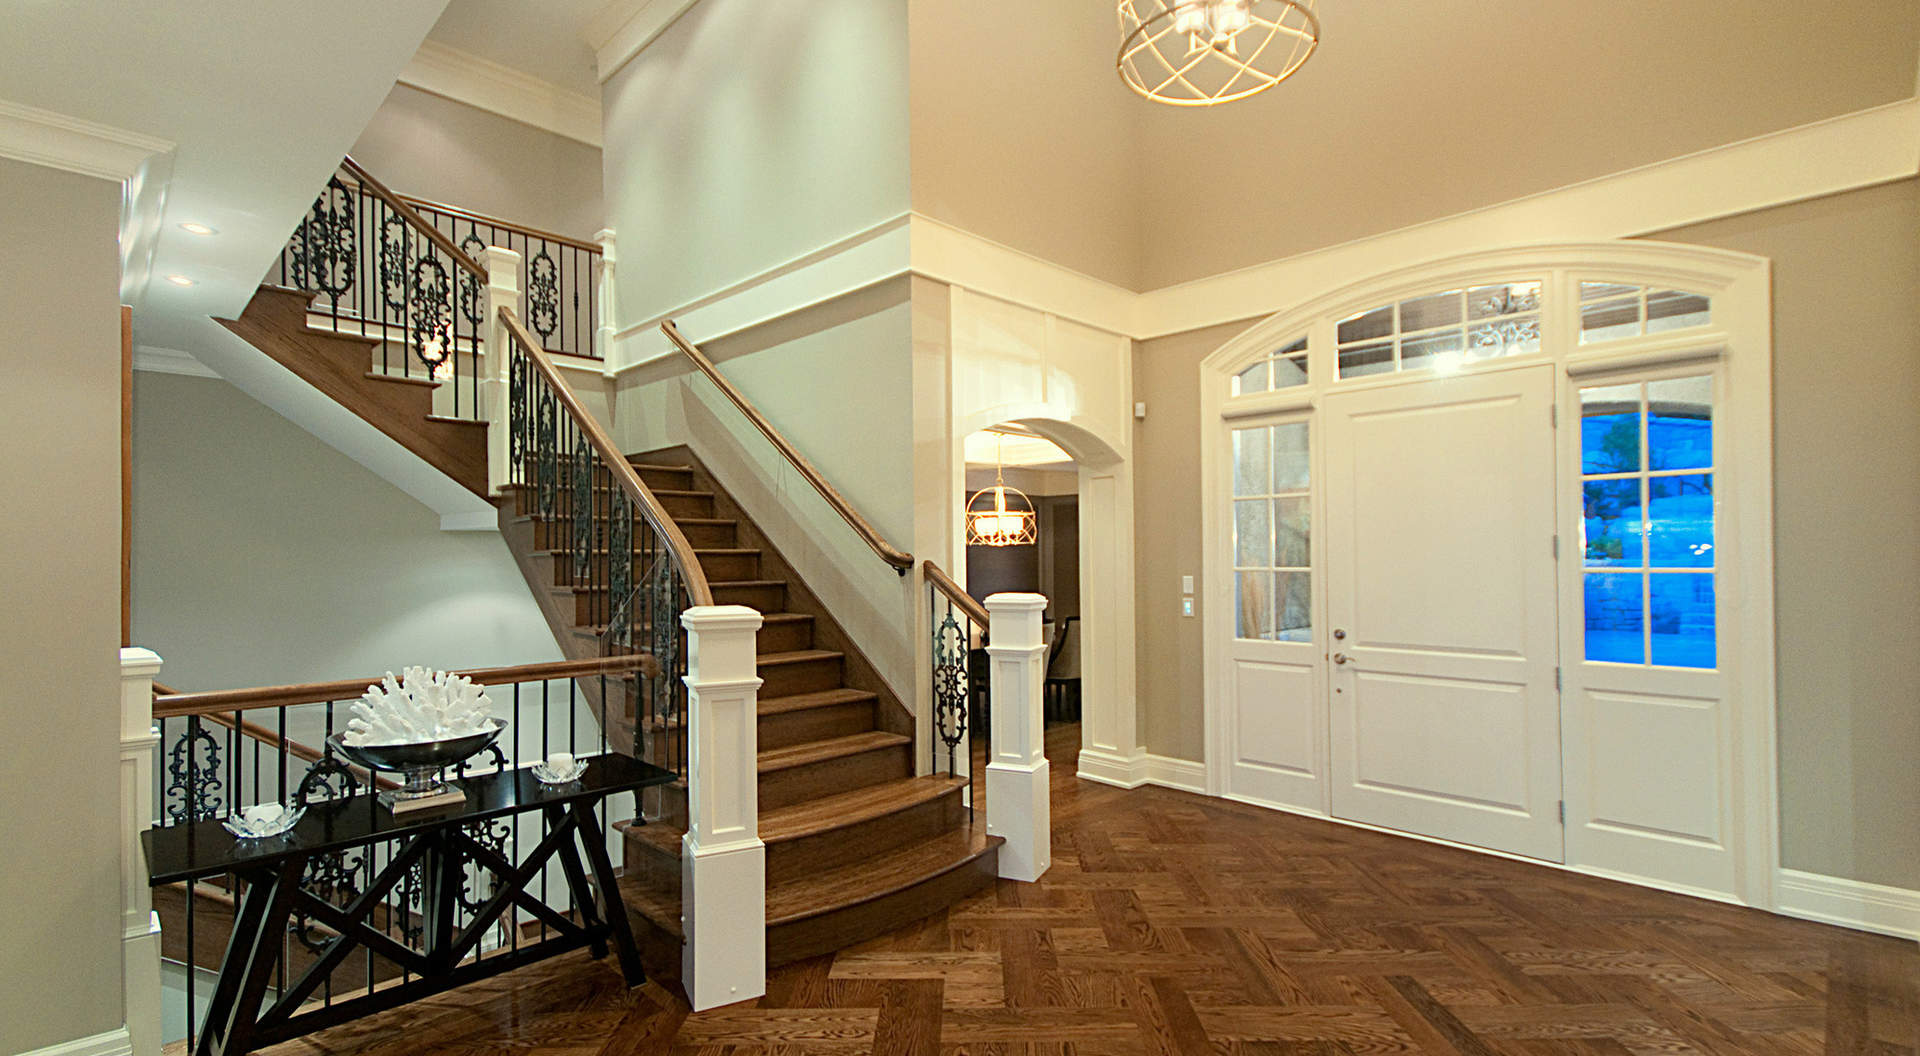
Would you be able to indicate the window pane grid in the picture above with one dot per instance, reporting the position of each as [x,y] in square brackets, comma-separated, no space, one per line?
[1441,331]
[1647,547]
[1272,542]
[1283,368]
[1610,311]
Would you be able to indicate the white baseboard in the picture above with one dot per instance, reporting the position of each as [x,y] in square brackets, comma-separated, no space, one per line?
[1848,903]
[1142,769]
[113,1043]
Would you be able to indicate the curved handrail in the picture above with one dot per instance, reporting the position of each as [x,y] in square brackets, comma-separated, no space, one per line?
[414,219]
[228,701]
[901,561]
[493,221]
[956,594]
[617,464]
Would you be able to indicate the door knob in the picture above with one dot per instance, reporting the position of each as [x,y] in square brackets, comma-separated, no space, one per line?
[1339,634]
[1341,658]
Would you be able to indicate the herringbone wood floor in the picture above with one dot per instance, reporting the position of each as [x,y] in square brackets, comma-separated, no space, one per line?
[1171,923]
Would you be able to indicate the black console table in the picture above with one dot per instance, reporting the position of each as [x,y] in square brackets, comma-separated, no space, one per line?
[273,871]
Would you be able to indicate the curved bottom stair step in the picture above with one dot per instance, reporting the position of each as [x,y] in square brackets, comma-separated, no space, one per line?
[836,908]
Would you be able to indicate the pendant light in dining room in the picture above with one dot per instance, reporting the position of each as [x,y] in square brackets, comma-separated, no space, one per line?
[1001,516]
[1208,52]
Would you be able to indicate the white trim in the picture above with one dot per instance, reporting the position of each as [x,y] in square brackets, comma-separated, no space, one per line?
[1848,903]
[624,28]
[116,1042]
[1144,768]
[157,360]
[486,85]
[481,521]
[43,137]
[940,251]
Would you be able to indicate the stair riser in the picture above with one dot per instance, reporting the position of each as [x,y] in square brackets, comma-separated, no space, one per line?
[795,859]
[722,567]
[716,536]
[784,637]
[853,924]
[780,788]
[667,479]
[787,680]
[687,505]
[815,724]
[768,598]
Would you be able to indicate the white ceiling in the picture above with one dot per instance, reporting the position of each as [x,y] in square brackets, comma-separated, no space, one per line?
[542,38]
[260,98]
[988,447]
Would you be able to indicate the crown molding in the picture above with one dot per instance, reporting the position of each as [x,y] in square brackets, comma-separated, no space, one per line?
[43,137]
[486,85]
[156,360]
[624,28]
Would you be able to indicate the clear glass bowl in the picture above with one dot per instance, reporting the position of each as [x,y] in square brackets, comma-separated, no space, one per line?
[251,829]
[549,776]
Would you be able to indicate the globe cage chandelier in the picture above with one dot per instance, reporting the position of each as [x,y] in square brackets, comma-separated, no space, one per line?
[1207,52]
[1001,516]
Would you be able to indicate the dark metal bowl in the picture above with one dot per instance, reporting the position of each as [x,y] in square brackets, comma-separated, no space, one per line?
[426,755]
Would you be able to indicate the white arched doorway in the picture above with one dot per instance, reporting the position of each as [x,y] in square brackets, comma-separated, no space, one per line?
[1446,548]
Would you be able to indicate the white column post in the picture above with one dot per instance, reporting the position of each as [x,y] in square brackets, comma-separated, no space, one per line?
[723,864]
[503,290]
[139,924]
[608,322]
[1017,806]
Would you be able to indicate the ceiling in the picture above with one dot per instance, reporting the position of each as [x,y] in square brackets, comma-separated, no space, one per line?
[543,38]
[989,447]
[257,123]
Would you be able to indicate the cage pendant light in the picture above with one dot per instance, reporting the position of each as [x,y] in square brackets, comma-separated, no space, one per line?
[1207,52]
[1001,516]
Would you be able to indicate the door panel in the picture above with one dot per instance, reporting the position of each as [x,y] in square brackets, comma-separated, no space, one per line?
[1440,571]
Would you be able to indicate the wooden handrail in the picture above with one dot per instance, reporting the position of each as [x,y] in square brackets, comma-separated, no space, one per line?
[899,559]
[957,594]
[174,705]
[617,465]
[494,221]
[414,219]
[255,731]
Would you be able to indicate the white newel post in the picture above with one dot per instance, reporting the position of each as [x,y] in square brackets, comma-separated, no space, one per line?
[607,323]
[723,864]
[503,290]
[139,924]
[1017,808]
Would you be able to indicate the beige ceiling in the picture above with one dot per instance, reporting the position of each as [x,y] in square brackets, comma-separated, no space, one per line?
[543,38]
[1409,111]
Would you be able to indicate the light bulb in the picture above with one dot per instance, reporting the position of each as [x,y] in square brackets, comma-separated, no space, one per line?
[1230,17]
[1192,18]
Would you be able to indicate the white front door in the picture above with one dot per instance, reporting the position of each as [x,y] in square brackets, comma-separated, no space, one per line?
[1441,618]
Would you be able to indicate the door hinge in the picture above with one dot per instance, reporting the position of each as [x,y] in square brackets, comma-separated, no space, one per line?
[1556,678]
[1553,415]
[1556,546]
[1563,812]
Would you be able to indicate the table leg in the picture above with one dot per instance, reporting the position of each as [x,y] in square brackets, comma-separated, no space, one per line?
[251,954]
[615,910]
[583,902]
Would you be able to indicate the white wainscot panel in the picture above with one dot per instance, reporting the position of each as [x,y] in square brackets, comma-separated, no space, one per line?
[1430,737]
[1654,763]
[1086,371]
[1274,714]
[998,352]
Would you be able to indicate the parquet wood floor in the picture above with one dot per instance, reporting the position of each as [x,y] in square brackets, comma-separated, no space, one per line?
[1172,923]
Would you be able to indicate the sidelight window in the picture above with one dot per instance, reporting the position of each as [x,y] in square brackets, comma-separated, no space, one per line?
[1647,533]
[1272,555]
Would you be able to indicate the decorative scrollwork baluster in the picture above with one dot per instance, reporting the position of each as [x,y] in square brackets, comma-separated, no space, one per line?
[620,514]
[583,477]
[543,295]
[546,448]
[472,304]
[430,315]
[950,686]
[331,877]
[194,785]
[323,245]
[396,247]
[517,381]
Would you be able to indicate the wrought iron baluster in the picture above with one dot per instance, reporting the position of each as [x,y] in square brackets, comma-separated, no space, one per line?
[950,687]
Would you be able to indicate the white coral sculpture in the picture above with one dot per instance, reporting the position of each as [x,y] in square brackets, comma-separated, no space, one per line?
[422,706]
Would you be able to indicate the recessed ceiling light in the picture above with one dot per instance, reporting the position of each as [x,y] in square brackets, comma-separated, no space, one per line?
[197,229]
[179,280]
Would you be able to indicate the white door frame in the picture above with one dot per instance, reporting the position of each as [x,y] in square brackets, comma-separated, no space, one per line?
[1738,340]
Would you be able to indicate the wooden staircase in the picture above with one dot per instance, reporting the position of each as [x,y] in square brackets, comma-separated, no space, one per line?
[856,844]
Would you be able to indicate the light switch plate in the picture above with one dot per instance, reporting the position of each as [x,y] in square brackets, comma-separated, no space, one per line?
[1186,584]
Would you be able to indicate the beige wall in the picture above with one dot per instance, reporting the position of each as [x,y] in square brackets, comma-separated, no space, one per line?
[749,134]
[262,556]
[443,151]
[59,416]
[1023,134]
[1847,500]
[1166,538]
[1846,396]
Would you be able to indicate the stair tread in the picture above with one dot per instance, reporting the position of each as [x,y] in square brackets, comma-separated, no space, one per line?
[797,656]
[401,379]
[450,420]
[877,876]
[832,748]
[727,550]
[819,699]
[637,464]
[826,814]
[747,582]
